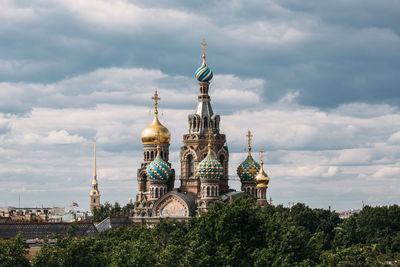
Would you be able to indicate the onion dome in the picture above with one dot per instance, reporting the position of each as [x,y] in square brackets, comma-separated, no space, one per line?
[262,178]
[204,73]
[248,169]
[151,132]
[209,168]
[158,169]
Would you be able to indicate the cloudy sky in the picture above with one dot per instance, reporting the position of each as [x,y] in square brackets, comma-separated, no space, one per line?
[316,81]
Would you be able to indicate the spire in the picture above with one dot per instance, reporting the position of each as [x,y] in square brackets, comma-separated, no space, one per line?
[204,45]
[95,165]
[249,136]
[262,157]
[156,98]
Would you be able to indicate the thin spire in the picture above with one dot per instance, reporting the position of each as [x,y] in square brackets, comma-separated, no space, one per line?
[204,45]
[95,163]
[156,99]
[249,136]
[262,156]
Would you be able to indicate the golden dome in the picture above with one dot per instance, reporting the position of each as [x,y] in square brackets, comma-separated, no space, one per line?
[150,133]
[262,178]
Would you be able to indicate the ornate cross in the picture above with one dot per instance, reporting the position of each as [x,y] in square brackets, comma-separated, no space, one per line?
[249,136]
[156,98]
[262,154]
[204,45]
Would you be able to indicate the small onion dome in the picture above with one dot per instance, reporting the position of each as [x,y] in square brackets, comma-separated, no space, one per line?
[203,73]
[262,178]
[209,168]
[248,169]
[149,134]
[158,169]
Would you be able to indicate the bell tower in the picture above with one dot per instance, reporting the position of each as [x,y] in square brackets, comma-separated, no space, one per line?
[195,145]
[94,193]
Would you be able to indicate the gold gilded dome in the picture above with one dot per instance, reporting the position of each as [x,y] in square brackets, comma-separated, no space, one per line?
[262,178]
[155,130]
[150,133]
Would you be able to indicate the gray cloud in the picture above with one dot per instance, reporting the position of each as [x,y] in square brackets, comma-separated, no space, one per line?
[332,53]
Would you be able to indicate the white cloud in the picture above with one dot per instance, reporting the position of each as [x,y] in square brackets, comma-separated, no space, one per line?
[394,139]
[62,137]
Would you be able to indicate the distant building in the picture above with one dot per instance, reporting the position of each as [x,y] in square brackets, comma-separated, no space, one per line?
[29,214]
[347,214]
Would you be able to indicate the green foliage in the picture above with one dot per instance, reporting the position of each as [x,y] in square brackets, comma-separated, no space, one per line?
[12,253]
[106,209]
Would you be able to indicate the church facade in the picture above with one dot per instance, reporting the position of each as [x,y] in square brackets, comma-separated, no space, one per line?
[204,158]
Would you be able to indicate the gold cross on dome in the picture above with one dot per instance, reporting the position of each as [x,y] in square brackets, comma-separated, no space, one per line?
[204,44]
[262,154]
[156,98]
[249,136]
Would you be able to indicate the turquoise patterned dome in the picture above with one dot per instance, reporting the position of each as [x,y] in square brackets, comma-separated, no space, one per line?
[209,168]
[158,169]
[203,73]
[248,169]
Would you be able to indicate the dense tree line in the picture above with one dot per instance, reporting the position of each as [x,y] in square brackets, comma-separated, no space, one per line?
[236,234]
[106,209]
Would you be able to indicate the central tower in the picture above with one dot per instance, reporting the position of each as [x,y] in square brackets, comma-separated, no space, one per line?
[195,144]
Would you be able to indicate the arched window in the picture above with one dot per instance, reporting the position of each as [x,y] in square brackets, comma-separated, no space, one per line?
[205,122]
[190,166]
[252,191]
[212,191]
[152,155]
[156,191]
[208,191]
[94,200]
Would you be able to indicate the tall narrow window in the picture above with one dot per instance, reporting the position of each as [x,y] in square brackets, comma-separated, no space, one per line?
[190,166]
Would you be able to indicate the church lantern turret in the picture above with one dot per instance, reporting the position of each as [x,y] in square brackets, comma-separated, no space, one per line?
[195,142]
[209,171]
[155,140]
[262,181]
[247,171]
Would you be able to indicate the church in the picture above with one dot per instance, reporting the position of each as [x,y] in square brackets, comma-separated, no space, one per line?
[204,158]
